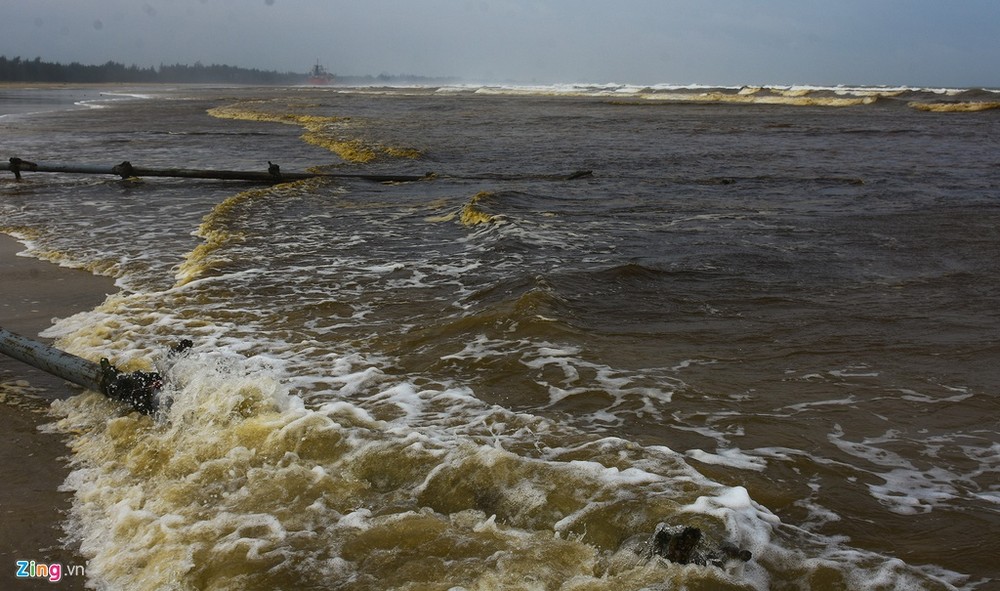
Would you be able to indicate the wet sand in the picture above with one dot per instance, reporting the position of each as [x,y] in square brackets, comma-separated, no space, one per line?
[32,463]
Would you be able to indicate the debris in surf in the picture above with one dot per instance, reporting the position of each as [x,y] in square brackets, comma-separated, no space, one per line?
[127,170]
[17,165]
[684,544]
[138,389]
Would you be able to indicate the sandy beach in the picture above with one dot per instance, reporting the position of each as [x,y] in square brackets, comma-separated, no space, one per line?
[32,464]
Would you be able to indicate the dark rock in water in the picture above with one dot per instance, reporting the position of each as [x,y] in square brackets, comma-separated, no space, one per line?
[676,547]
[728,551]
[684,545]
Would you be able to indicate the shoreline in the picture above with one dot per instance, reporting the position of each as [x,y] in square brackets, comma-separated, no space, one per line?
[33,464]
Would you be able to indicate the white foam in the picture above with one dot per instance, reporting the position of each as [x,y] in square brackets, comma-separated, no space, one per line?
[850,400]
[853,372]
[906,489]
[914,396]
[734,458]
[130,95]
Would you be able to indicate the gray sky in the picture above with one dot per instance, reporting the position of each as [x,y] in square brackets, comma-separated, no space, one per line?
[895,42]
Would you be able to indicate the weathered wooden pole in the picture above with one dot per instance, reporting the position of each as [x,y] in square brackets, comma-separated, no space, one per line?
[137,388]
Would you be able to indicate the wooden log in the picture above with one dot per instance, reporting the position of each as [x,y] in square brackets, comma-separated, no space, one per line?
[273,174]
[54,361]
[138,389]
[127,170]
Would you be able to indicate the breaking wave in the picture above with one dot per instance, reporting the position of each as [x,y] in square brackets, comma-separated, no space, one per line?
[956,107]
[926,99]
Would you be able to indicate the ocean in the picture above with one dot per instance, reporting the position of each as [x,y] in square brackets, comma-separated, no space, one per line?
[771,314]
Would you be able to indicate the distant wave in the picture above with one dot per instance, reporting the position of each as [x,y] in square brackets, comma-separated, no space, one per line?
[922,98]
[956,107]
[757,97]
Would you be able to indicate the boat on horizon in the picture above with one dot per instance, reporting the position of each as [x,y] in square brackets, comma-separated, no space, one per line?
[319,76]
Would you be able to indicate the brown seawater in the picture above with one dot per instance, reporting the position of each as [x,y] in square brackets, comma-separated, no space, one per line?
[769,313]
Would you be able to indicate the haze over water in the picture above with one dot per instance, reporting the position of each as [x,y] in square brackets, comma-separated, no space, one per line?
[769,313]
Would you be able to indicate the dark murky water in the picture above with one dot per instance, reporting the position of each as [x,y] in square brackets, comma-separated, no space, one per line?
[776,322]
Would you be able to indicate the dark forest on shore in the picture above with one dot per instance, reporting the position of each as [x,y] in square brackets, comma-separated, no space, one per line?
[24,70]
[18,69]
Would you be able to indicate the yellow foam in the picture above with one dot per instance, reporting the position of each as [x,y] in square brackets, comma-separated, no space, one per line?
[216,228]
[472,215]
[319,131]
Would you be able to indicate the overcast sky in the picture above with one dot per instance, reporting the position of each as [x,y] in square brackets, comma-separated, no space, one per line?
[894,42]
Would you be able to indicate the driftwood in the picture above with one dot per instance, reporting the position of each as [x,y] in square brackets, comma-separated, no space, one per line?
[138,389]
[685,545]
[273,174]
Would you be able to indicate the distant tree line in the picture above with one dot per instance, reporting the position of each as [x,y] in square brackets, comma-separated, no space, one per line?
[24,70]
